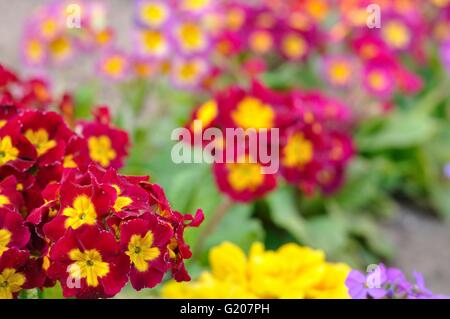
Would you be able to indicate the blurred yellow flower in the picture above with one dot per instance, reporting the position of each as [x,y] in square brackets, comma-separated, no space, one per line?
[290,272]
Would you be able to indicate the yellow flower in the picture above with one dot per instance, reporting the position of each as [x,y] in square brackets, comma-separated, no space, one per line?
[291,271]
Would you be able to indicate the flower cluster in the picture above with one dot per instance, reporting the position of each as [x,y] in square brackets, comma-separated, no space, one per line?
[57,31]
[387,283]
[358,54]
[290,272]
[67,215]
[312,150]
[174,37]
[263,30]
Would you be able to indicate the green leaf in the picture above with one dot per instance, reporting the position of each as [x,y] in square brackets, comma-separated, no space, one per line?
[328,233]
[53,292]
[401,130]
[237,227]
[284,213]
[365,183]
[84,100]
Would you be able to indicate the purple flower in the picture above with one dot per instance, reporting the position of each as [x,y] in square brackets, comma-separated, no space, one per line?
[382,282]
[445,55]
[447,170]
[367,287]
[398,285]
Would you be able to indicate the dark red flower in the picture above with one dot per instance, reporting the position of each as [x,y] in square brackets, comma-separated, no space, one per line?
[107,144]
[89,264]
[145,241]
[13,232]
[12,275]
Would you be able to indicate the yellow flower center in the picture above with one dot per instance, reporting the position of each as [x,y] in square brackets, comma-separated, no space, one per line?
[5,239]
[121,201]
[253,113]
[82,212]
[7,151]
[154,14]
[294,46]
[60,47]
[298,151]
[114,65]
[154,41]
[195,4]
[35,50]
[245,175]
[396,34]
[100,150]
[40,140]
[191,36]
[89,265]
[377,80]
[10,283]
[189,70]
[317,9]
[69,162]
[206,113]
[261,41]
[339,72]
[49,28]
[140,251]
[4,200]
[368,51]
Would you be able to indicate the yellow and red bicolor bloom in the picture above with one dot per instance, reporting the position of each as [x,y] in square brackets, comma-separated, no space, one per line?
[48,133]
[10,197]
[59,187]
[179,250]
[89,264]
[36,93]
[243,179]
[256,108]
[145,242]
[107,144]
[130,200]
[80,204]
[15,149]
[13,232]
[12,273]
[316,149]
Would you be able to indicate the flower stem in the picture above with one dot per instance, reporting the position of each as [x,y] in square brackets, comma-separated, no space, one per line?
[212,223]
